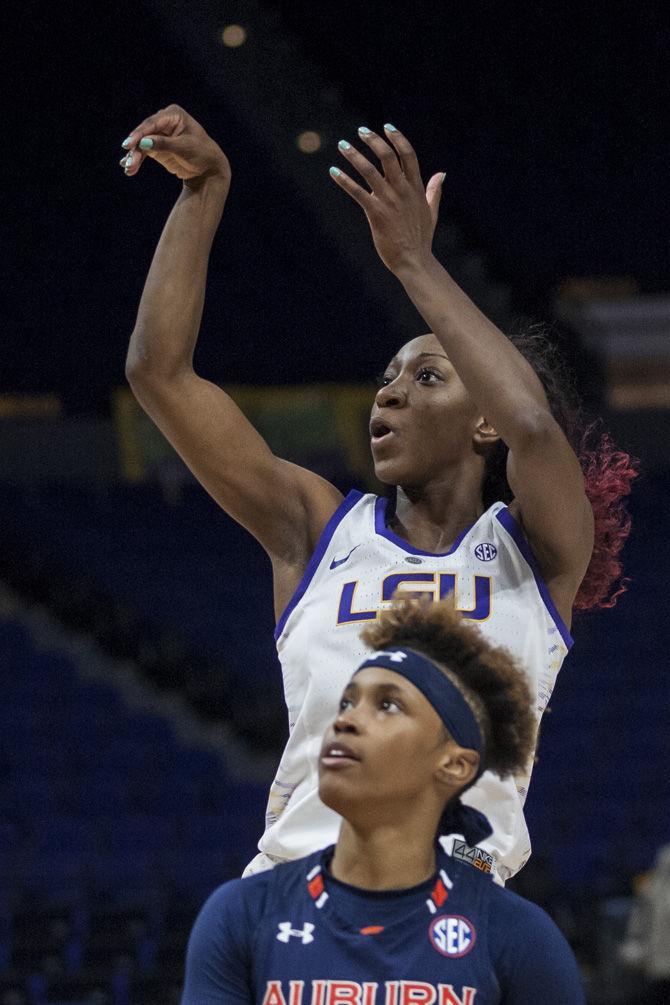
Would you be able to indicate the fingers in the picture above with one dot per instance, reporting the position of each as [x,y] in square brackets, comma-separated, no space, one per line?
[132,162]
[391,166]
[148,146]
[405,152]
[357,193]
[395,152]
[434,195]
[165,122]
[363,165]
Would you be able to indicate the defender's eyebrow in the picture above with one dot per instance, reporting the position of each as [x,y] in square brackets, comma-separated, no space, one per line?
[380,688]
[387,686]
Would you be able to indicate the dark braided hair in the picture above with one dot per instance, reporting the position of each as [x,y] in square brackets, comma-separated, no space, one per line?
[608,472]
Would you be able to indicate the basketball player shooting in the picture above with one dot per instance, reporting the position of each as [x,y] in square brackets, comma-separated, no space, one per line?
[501,495]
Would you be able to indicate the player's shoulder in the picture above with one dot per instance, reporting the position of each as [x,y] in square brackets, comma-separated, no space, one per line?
[359,505]
[284,880]
[242,903]
[530,954]
[354,514]
[257,887]
[354,499]
[521,918]
[237,898]
[508,912]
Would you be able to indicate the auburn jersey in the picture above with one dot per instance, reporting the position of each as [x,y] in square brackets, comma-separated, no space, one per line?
[294,935]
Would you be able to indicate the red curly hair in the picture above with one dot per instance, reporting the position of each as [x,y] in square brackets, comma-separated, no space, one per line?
[608,471]
[608,474]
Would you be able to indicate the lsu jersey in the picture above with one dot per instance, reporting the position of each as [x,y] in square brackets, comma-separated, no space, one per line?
[357,567]
[297,936]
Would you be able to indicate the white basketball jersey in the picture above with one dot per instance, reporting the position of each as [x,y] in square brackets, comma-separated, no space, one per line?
[354,572]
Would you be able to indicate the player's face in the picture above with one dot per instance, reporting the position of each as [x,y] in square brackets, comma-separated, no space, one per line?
[422,420]
[384,749]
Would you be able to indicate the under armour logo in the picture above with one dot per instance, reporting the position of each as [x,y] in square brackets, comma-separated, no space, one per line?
[286,930]
[397,657]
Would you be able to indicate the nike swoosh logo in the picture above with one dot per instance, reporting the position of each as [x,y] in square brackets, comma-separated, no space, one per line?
[340,561]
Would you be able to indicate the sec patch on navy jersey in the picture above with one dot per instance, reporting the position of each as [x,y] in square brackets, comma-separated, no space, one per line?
[452,935]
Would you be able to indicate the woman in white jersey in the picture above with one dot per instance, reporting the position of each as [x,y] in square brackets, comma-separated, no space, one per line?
[492,502]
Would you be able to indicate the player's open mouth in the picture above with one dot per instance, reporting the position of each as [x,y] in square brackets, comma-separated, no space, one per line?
[380,431]
[337,755]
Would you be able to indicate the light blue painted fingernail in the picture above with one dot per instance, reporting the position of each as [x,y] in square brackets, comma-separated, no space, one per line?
[127,141]
[129,161]
[335,172]
[343,145]
[364,130]
[147,143]
[390,128]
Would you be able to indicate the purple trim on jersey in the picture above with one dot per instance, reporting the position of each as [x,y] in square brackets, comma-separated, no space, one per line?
[322,544]
[517,534]
[381,506]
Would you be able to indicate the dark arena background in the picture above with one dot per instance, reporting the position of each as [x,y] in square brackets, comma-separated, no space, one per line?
[142,714]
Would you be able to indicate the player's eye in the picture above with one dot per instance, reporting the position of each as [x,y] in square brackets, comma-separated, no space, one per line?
[383,379]
[427,376]
[389,705]
[345,703]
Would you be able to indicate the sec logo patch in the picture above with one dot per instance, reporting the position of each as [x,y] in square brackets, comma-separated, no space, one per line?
[486,551]
[452,935]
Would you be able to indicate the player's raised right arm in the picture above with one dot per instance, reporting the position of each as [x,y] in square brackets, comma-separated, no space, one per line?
[284,506]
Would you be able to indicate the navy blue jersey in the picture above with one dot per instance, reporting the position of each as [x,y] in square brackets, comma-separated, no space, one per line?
[294,935]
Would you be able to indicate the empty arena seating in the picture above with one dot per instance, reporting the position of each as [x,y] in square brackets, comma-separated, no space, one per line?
[113,833]
[185,567]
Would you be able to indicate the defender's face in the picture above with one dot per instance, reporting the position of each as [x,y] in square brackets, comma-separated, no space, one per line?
[383,749]
[422,419]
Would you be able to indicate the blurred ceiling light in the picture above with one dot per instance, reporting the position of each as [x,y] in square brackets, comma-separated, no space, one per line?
[234,35]
[309,142]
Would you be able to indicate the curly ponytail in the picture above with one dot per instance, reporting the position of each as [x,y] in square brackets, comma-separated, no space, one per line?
[608,472]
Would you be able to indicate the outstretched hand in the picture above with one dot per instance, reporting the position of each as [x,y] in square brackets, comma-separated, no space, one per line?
[401,213]
[179,144]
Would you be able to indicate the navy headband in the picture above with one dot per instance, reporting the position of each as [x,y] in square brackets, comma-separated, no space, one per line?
[456,715]
[434,684]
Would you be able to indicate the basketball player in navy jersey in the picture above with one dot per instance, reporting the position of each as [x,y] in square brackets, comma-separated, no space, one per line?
[501,497]
[385,917]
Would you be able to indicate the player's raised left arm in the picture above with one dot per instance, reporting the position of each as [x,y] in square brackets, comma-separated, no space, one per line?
[543,471]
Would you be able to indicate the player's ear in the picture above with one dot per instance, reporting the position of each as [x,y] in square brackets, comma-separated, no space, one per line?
[485,434]
[457,766]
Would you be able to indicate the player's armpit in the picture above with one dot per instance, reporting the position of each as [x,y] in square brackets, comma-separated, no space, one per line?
[284,506]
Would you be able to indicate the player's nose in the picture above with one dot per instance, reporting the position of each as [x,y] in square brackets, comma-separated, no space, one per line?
[346,722]
[391,395]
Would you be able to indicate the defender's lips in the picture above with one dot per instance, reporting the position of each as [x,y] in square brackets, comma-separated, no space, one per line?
[335,755]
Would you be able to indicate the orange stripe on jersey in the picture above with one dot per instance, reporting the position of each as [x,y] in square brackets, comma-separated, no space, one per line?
[372,930]
[316,886]
[439,893]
